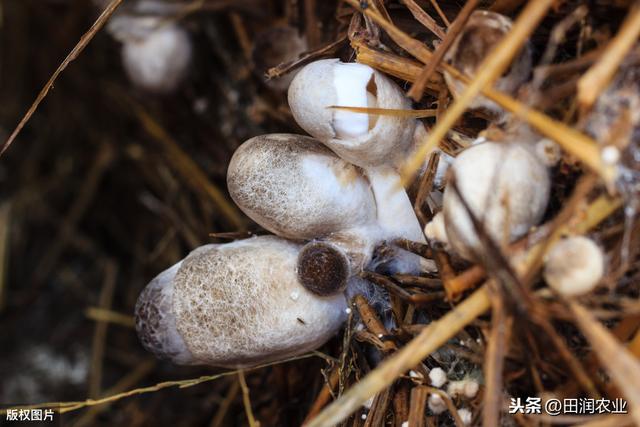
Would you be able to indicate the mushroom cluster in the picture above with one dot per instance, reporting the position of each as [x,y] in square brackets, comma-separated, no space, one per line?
[329,200]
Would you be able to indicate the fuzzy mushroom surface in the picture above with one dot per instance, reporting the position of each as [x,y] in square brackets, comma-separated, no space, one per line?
[506,187]
[235,305]
[295,187]
[574,266]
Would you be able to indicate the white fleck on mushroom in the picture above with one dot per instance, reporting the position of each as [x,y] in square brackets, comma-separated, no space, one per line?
[436,404]
[466,416]
[230,305]
[466,387]
[297,188]
[574,266]
[505,186]
[479,37]
[438,377]
[156,54]
[363,139]
[548,151]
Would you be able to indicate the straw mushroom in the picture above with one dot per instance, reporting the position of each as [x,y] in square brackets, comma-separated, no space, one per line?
[505,185]
[155,54]
[479,37]
[359,138]
[297,188]
[235,305]
[574,266]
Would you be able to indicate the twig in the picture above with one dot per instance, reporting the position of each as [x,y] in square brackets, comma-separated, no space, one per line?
[372,323]
[141,371]
[109,316]
[597,78]
[418,86]
[424,18]
[620,364]
[5,227]
[436,6]
[223,409]
[247,400]
[324,396]
[84,41]
[64,407]
[418,406]
[497,348]
[100,331]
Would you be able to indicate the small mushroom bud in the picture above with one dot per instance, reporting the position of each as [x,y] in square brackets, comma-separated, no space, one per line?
[155,54]
[295,187]
[479,37]
[235,305]
[574,266]
[438,377]
[506,187]
[362,139]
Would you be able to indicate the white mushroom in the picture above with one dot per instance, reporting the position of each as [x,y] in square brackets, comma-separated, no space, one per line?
[506,187]
[438,377]
[436,404]
[362,139]
[479,37]
[466,416]
[297,188]
[574,266]
[466,387]
[156,54]
[234,305]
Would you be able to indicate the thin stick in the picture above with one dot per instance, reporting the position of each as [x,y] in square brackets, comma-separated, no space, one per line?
[387,111]
[424,18]
[597,78]
[436,6]
[109,316]
[247,400]
[418,86]
[84,41]
[326,393]
[494,360]
[620,364]
[5,227]
[100,331]
[223,409]
[63,407]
